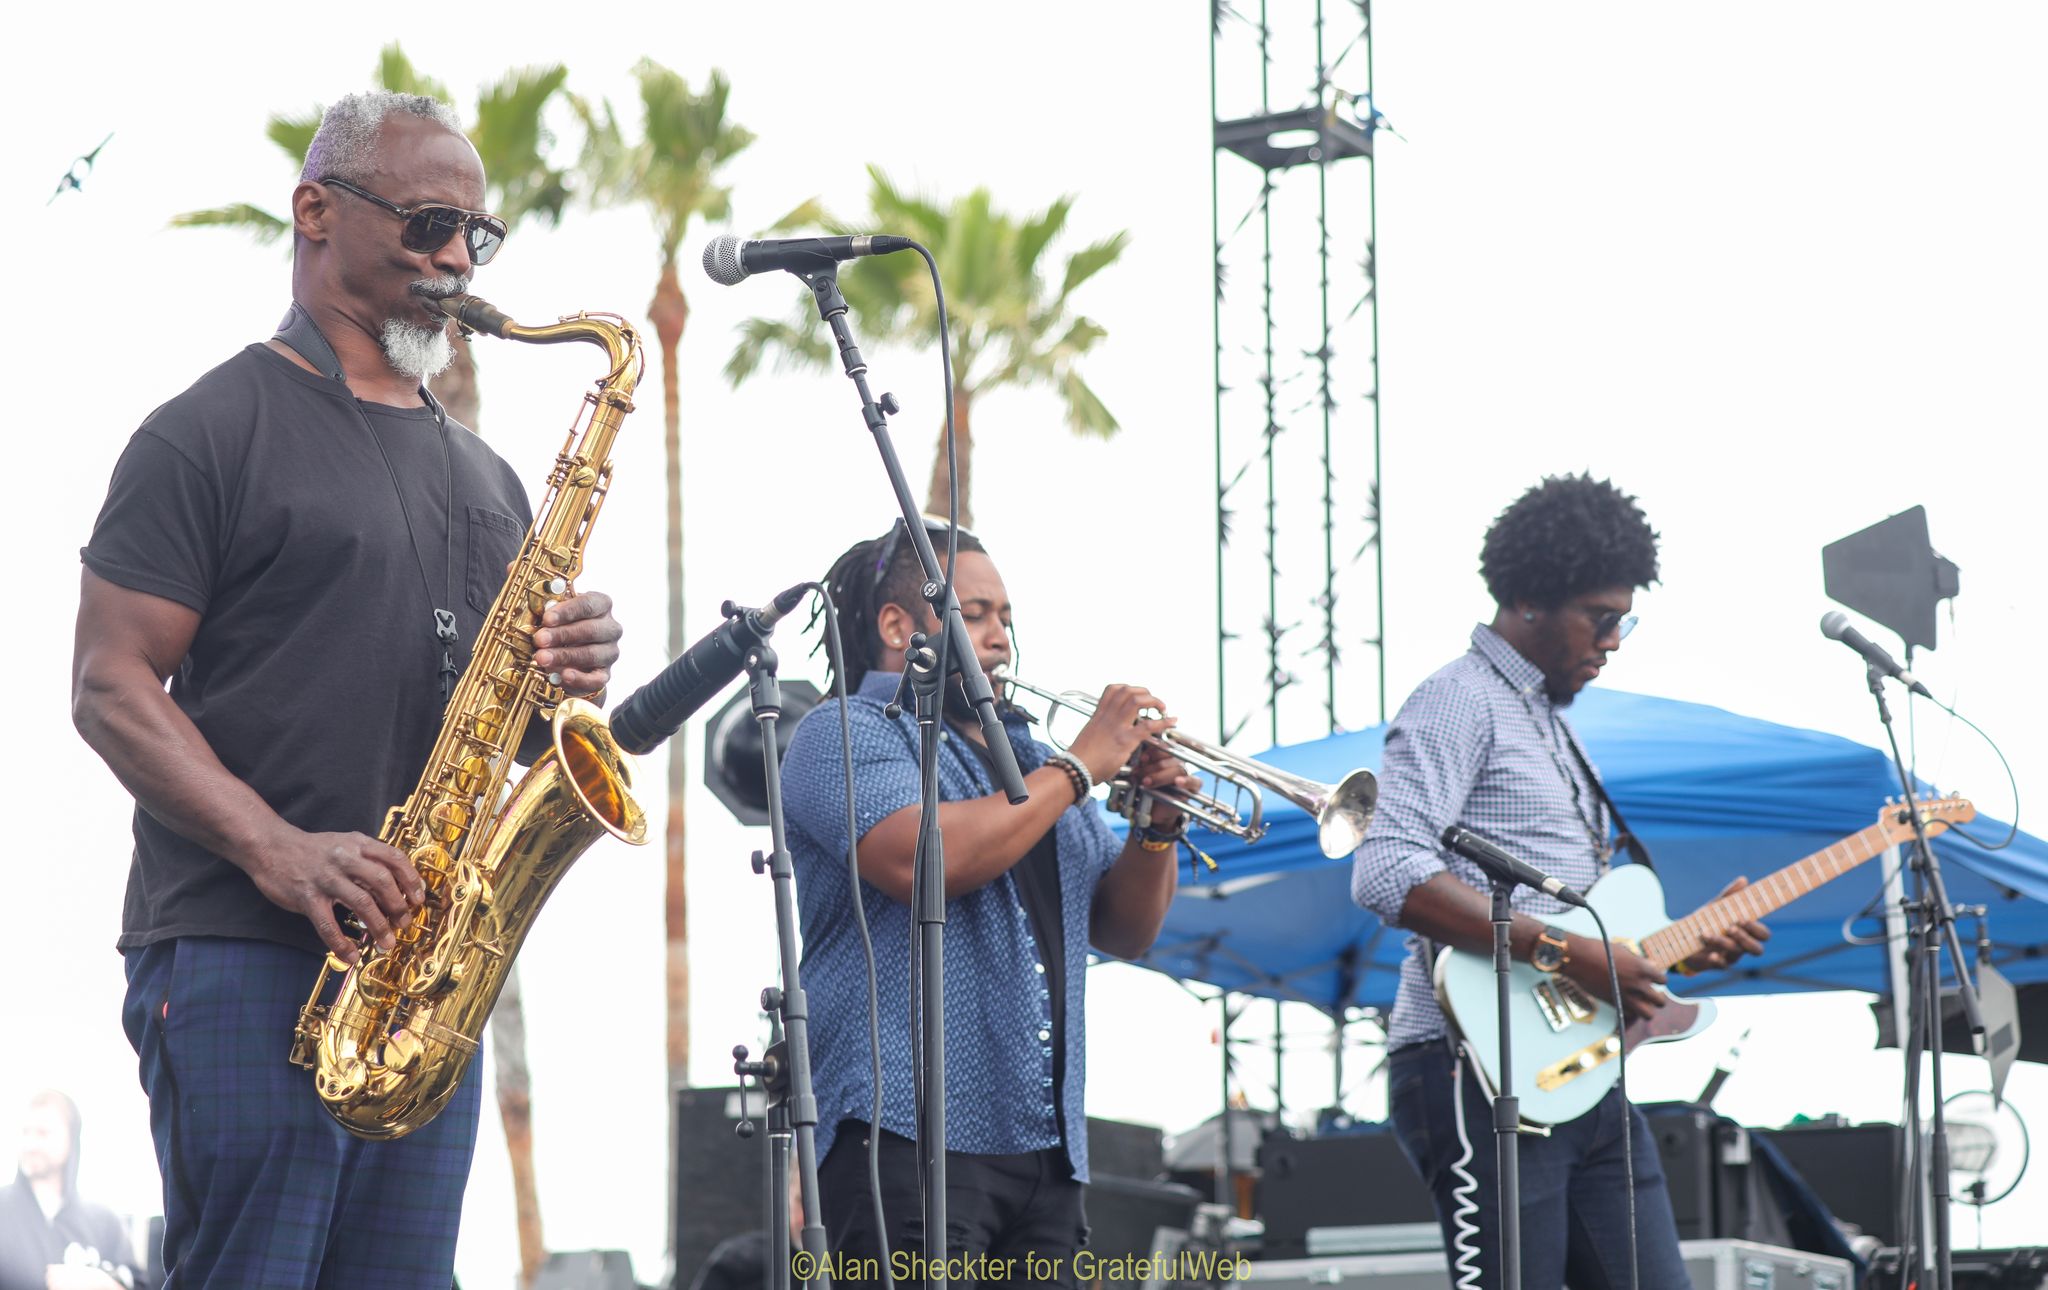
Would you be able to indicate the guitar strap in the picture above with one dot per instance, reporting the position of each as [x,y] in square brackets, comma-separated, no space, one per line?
[1625,837]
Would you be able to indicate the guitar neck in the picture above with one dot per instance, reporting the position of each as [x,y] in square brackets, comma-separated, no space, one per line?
[1681,940]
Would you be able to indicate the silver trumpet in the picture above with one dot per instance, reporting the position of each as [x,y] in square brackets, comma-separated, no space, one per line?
[1342,811]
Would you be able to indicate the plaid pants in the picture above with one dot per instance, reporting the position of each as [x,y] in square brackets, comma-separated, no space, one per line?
[261,1187]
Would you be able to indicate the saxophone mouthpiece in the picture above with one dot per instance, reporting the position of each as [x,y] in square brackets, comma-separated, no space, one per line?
[473,313]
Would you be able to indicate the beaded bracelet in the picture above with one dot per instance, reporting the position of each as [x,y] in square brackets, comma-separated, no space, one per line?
[1083,782]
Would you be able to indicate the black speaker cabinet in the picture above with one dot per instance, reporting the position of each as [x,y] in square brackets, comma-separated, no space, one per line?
[1340,1180]
[1854,1168]
[721,1178]
[1125,1150]
[1125,1213]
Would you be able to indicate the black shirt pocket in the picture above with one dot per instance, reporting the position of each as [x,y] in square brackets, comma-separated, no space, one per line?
[493,542]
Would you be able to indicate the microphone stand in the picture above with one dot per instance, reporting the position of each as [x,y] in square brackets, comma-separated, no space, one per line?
[785,1069]
[1931,920]
[926,682]
[1507,1108]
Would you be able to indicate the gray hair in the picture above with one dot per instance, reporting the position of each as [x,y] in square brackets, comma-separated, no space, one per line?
[345,146]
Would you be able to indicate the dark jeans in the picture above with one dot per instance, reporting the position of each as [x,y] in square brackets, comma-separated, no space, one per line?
[1575,1184]
[1000,1210]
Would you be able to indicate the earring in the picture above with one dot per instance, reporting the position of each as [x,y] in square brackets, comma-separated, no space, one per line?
[1528,617]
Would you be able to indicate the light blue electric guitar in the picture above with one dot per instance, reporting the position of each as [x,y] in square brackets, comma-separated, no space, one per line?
[1564,1041]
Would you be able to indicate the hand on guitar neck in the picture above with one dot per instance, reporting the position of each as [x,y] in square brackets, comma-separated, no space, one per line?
[1451,912]
[1642,981]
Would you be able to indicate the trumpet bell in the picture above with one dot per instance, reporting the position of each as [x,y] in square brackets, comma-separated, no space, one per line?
[1342,821]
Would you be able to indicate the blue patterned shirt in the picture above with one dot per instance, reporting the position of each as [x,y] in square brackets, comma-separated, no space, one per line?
[1000,1095]
[1479,744]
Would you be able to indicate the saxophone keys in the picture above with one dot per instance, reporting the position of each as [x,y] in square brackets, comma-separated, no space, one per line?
[342,1081]
[448,821]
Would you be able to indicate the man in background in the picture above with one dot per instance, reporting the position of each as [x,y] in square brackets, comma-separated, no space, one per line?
[51,1238]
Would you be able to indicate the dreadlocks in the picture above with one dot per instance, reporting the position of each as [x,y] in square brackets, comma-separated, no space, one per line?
[1566,536]
[859,588]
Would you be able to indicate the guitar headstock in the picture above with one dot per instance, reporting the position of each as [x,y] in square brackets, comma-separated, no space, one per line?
[1937,815]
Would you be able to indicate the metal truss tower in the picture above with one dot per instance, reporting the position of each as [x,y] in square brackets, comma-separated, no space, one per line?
[1300,614]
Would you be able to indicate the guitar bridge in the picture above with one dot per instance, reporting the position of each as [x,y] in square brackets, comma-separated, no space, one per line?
[1558,1074]
[1563,1004]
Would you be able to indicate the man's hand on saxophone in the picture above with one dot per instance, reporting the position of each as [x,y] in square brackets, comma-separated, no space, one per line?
[578,640]
[311,873]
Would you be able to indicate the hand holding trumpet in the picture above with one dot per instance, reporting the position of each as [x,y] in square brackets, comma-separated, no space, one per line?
[1128,720]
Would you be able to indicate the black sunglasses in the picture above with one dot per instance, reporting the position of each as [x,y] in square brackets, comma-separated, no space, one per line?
[936,529]
[429,225]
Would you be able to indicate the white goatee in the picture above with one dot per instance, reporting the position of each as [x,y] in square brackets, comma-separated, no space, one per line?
[419,350]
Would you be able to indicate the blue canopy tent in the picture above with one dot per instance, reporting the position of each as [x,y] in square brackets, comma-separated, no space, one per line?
[1712,794]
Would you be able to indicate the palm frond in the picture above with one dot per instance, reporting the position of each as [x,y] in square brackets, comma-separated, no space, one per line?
[1086,414]
[1037,232]
[902,211]
[1091,260]
[396,72]
[786,344]
[294,134]
[240,216]
[511,137]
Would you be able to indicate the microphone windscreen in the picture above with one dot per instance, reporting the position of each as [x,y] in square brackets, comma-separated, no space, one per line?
[1833,624]
[722,261]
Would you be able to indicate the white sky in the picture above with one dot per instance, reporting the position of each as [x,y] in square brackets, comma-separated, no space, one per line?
[1775,268]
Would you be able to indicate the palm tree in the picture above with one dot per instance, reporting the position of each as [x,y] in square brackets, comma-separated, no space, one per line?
[672,170]
[511,137]
[1008,328]
[510,134]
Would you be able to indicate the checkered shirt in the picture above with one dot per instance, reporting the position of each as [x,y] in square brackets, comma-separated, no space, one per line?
[1479,744]
[1000,1097]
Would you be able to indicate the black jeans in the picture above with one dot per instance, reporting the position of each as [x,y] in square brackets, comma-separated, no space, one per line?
[1575,1185]
[1010,1220]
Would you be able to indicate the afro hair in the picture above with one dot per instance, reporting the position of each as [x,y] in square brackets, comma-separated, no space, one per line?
[1566,536]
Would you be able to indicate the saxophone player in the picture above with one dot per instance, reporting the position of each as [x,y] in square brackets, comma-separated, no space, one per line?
[1029,889]
[303,546]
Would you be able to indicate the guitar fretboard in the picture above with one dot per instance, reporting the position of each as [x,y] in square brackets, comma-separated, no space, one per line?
[1681,940]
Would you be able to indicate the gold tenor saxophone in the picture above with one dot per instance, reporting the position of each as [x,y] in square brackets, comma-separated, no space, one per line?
[391,1048]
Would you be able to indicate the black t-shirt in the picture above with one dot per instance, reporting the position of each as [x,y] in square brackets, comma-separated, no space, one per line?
[1037,876]
[260,498]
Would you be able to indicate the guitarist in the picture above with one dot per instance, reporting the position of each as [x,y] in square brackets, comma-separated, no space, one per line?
[1484,744]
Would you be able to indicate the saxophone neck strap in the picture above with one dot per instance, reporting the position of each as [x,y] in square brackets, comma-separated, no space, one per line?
[299,331]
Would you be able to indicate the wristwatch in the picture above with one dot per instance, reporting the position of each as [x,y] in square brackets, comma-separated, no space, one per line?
[1550,952]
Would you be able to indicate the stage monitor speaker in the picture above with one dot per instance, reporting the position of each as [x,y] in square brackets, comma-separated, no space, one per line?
[2014,1269]
[1853,1168]
[586,1270]
[1125,1214]
[1125,1150]
[1339,1180]
[721,1178]
[1717,1188]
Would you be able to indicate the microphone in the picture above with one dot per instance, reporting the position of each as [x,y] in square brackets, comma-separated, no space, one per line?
[728,260]
[658,709]
[1835,625]
[1502,866]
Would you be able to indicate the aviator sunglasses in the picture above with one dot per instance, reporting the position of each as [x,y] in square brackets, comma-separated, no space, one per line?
[429,225]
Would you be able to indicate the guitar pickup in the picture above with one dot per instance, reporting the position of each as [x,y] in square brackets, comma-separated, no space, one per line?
[1558,1074]
[1563,1004]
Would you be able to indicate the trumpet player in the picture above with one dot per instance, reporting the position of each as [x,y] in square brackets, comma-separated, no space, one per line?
[1029,889]
[305,548]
